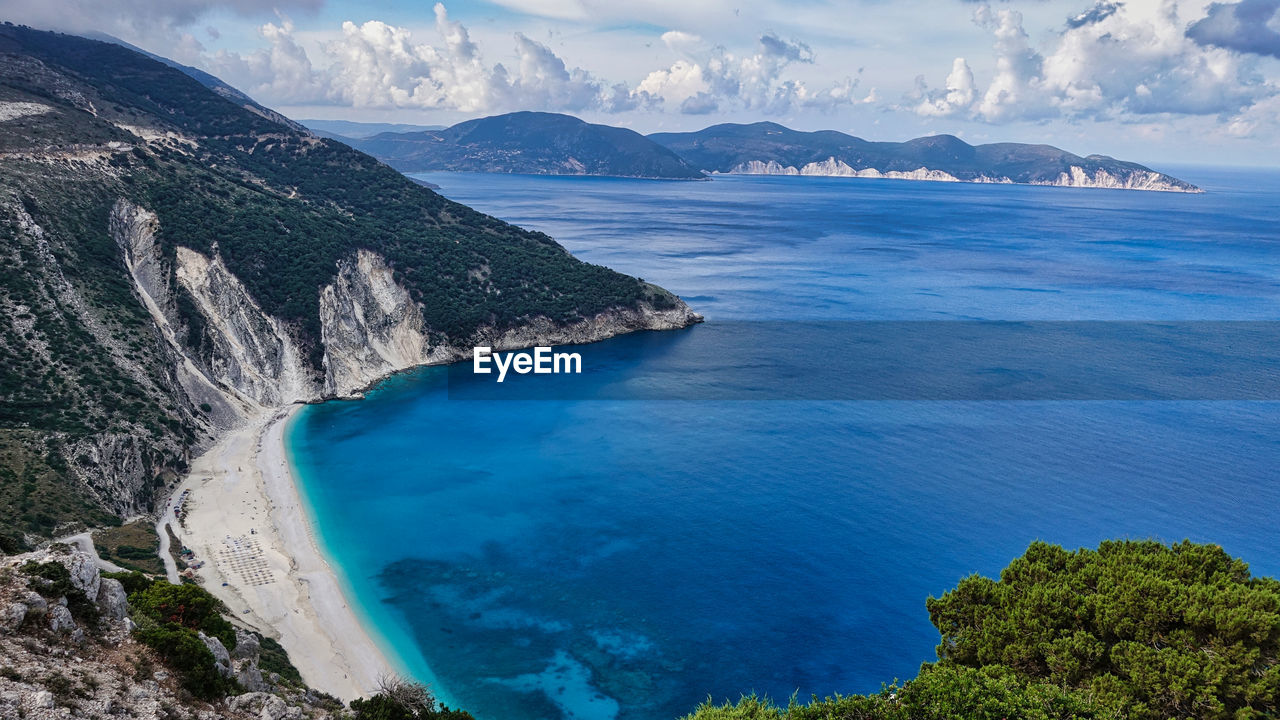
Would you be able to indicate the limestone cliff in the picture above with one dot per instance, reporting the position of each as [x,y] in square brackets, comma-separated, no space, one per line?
[245,360]
[771,149]
[369,326]
[1127,179]
[253,354]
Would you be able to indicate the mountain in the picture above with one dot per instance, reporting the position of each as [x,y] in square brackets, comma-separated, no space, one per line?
[345,130]
[529,142]
[174,261]
[212,82]
[767,148]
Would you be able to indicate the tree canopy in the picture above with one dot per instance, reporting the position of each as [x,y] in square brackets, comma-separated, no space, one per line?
[1136,630]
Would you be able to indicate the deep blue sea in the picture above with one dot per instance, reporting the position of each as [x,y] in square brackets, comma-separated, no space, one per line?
[765,501]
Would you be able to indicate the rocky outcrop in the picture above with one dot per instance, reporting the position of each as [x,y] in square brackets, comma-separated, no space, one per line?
[372,328]
[12,616]
[44,644]
[253,354]
[369,326]
[221,658]
[541,331]
[1138,179]
[831,167]
[134,230]
[112,600]
[83,568]
[1133,180]
[60,620]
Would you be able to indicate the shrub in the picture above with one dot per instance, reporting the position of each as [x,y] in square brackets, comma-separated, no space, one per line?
[184,652]
[399,699]
[187,606]
[169,619]
[133,581]
[273,659]
[1152,631]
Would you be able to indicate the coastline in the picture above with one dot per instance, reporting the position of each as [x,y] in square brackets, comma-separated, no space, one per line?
[245,520]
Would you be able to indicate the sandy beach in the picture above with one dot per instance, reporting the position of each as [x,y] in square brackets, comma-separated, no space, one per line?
[245,521]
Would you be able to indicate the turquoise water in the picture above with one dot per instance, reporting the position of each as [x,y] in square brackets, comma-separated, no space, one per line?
[743,505]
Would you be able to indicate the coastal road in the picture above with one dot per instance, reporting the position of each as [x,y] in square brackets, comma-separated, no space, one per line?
[168,516]
[84,542]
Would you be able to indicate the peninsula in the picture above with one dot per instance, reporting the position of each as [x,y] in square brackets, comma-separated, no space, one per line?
[181,267]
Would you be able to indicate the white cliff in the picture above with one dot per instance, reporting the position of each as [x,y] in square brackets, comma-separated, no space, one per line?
[1135,180]
[831,167]
[134,230]
[369,326]
[1077,177]
[252,353]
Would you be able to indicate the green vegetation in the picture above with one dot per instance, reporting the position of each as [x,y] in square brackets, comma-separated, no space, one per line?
[53,581]
[169,619]
[133,581]
[1132,630]
[85,381]
[34,497]
[273,659]
[134,546]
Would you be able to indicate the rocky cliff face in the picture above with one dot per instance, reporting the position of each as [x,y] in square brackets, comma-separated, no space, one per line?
[252,354]
[1077,177]
[1133,180]
[245,360]
[369,326]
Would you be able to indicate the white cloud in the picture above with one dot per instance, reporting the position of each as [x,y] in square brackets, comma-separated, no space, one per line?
[281,71]
[683,43]
[959,94]
[708,79]
[1116,61]
[377,65]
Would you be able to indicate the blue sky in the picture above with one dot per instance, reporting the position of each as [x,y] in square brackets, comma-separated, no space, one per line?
[1161,81]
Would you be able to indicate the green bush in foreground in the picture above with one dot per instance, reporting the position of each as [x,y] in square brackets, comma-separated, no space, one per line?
[187,654]
[186,606]
[1131,630]
[170,618]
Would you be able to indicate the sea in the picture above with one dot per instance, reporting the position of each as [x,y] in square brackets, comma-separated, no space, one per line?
[898,384]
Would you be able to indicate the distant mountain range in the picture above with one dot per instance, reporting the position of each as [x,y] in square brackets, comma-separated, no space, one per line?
[529,142]
[344,129]
[554,144]
[768,148]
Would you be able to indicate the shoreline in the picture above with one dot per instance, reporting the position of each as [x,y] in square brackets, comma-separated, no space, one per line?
[245,520]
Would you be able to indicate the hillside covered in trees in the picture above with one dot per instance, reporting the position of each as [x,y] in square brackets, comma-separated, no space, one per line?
[94,417]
